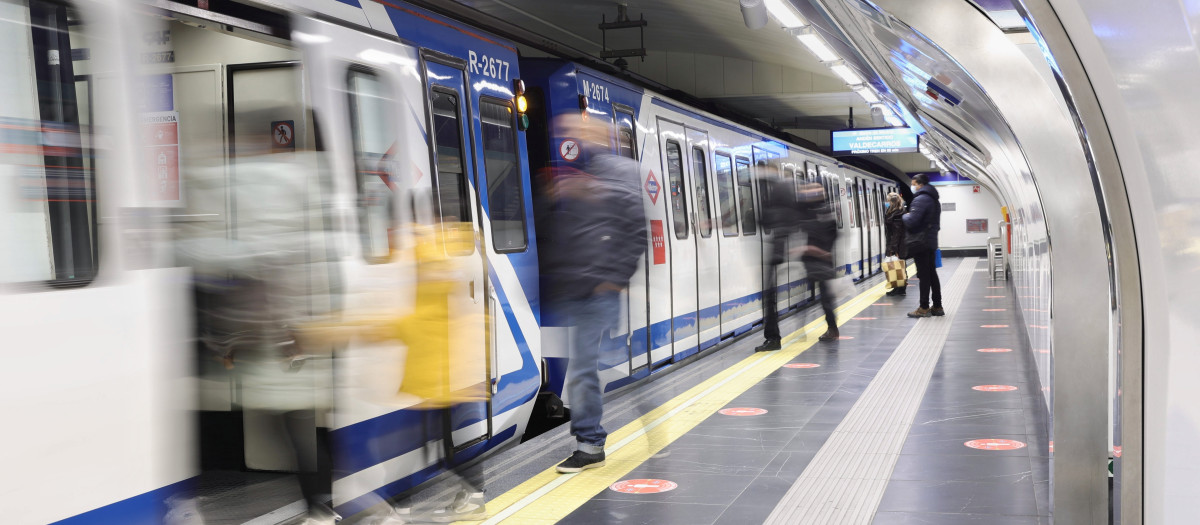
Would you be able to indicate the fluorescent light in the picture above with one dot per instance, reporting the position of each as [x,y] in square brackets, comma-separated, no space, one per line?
[866,93]
[816,46]
[784,13]
[848,75]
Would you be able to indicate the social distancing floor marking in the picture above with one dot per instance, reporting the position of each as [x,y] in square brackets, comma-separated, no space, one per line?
[634,443]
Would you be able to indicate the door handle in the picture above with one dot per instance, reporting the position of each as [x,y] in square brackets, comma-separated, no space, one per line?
[471,287]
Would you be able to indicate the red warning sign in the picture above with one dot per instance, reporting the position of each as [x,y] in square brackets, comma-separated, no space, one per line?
[994,388]
[995,350]
[801,365]
[659,240]
[993,326]
[1117,452]
[742,411]
[569,150]
[643,486]
[995,444]
[160,136]
[652,187]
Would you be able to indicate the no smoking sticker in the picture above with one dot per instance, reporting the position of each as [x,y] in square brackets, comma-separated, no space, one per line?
[742,411]
[643,486]
[569,150]
[995,444]
[994,388]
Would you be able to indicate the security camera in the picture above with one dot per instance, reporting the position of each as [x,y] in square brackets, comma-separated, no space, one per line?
[754,12]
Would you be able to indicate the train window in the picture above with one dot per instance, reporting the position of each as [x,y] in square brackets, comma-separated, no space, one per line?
[700,170]
[856,198]
[373,134]
[746,198]
[725,197]
[48,202]
[626,139]
[835,184]
[678,198]
[506,197]
[452,187]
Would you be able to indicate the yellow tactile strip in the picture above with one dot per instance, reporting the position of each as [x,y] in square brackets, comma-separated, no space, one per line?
[634,443]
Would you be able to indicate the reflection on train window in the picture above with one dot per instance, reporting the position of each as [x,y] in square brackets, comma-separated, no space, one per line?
[506,198]
[374,136]
[856,220]
[678,198]
[835,187]
[47,203]
[626,140]
[700,170]
[746,198]
[725,197]
[451,179]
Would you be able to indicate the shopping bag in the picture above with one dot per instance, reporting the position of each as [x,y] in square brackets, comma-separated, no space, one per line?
[937,259]
[897,275]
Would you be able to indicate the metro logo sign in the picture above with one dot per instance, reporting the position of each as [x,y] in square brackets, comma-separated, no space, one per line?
[652,187]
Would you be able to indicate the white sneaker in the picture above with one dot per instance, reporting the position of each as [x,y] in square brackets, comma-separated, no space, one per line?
[466,507]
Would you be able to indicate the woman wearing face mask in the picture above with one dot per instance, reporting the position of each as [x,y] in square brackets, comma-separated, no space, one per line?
[894,231]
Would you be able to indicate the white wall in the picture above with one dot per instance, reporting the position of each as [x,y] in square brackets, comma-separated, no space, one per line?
[968,205]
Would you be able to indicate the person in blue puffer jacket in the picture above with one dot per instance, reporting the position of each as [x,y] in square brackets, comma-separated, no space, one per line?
[923,221]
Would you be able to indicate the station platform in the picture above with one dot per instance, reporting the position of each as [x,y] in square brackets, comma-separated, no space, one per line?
[935,420]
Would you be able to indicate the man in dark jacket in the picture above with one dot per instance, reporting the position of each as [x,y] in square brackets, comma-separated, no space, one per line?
[923,222]
[780,216]
[820,230]
[598,236]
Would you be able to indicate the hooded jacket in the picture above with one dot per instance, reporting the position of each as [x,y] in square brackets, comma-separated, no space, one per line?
[925,214]
[894,232]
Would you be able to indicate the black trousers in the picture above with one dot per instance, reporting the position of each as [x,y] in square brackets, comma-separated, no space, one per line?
[770,304]
[927,273]
[827,303]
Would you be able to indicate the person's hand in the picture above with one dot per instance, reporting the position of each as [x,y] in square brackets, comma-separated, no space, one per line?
[607,287]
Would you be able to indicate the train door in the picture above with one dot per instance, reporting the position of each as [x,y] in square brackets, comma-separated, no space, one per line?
[751,251]
[796,293]
[766,164]
[673,145]
[730,246]
[865,223]
[708,264]
[637,301]
[460,213]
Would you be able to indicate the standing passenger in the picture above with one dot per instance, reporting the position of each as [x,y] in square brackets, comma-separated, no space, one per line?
[598,235]
[779,215]
[820,230]
[894,229]
[923,222]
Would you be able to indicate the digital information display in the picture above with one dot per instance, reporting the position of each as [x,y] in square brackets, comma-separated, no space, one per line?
[882,140]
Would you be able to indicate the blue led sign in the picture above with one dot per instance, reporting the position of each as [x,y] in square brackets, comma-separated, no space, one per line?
[882,140]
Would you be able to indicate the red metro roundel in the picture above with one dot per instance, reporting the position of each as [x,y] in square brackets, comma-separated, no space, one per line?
[742,411]
[995,444]
[643,486]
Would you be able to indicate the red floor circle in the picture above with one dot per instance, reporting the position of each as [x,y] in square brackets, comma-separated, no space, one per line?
[994,388]
[994,350]
[995,444]
[993,309]
[864,318]
[801,365]
[993,326]
[881,304]
[993,297]
[844,337]
[742,411]
[643,486]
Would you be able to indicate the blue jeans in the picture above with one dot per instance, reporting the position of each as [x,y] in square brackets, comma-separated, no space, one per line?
[592,318]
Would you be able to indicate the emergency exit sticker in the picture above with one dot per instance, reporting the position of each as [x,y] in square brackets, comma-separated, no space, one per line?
[660,242]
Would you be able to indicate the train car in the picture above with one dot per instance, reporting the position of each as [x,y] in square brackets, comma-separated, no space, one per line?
[701,280]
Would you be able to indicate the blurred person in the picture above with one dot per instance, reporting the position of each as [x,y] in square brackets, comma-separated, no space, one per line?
[894,233]
[598,234]
[256,287]
[820,230]
[780,214]
[922,223]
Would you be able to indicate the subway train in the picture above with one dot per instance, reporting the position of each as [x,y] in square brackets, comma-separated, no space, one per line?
[139,142]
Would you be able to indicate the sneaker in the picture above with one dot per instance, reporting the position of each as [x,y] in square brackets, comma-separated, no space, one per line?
[768,345]
[937,311]
[581,461]
[830,335]
[919,312]
[893,292]
[467,506]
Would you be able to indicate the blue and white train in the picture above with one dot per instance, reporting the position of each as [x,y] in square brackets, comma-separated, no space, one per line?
[131,142]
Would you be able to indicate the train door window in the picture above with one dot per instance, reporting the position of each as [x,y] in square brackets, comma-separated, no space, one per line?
[678,198]
[47,199]
[626,138]
[453,201]
[725,197]
[835,183]
[374,136]
[703,208]
[856,198]
[746,197]
[506,197]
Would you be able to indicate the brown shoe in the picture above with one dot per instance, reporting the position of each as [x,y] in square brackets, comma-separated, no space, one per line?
[937,311]
[919,312]
[830,335]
